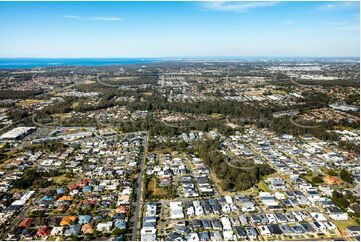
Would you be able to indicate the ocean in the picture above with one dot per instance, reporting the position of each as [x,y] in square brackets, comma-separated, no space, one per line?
[15,63]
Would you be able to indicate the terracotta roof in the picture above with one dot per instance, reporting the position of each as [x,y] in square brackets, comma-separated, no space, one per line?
[66,198]
[43,231]
[121,209]
[67,220]
[73,186]
[26,222]
[87,229]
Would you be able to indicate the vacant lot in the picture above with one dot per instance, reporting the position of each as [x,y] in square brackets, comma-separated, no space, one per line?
[155,192]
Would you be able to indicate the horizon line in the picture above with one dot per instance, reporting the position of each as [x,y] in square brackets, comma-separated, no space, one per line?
[177,57]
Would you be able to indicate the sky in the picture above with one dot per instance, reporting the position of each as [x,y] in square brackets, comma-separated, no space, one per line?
[179,29]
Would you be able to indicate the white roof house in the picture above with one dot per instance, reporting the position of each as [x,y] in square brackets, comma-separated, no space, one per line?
[148,234]
[318,217]
[228,199]
[57,231]
[226,224]
[176,210]
[104,227]
[228,235]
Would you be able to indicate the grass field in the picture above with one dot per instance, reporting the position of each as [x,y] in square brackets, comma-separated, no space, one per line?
[122,78]
[156,191]
[217,116]
[343,224]
[75,104]
[6,158]
[89,82]
[218,184]
[162,151]
[262,185]
[152,186]
[61,116]
[343,128]
[29,102]
[63,180]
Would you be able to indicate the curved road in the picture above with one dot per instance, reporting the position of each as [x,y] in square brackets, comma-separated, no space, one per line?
[303,126]
[106,84]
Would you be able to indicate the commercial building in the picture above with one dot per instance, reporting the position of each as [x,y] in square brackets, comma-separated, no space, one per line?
[17,133]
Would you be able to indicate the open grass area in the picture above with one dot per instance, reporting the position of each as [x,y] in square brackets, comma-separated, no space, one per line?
[263,186]
[61,116]
[308,177]
[29,102]
[343,224]
[63,180]
[250,191]
[88,82]
[218,184]
[152,186]
[118,130]
[154,191]
[343,128]
[75,105]
[162,151]
[126,78]
[217,116]
[6,158]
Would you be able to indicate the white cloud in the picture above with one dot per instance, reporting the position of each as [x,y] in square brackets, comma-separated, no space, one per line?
[70,16]
[241,7]
[337,6]
[109,18]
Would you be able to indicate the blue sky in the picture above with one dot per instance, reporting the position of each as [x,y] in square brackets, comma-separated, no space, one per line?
[169,29]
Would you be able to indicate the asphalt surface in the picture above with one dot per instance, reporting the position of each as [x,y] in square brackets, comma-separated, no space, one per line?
[139,192]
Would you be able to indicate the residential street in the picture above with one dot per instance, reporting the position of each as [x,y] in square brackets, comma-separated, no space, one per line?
[139,192]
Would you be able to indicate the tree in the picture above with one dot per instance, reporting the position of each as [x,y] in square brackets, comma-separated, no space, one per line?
[231,178]
[339,200]
[27,180]
[346,176]
[331,172]
[116,232]
[317,179]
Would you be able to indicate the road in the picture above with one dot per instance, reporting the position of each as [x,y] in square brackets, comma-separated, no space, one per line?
[106,84]
[139,191]
[26,208]
[176,126]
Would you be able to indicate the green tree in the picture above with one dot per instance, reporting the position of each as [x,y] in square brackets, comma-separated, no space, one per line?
[317,179]
[346,176]
[116,232]
[339,200]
